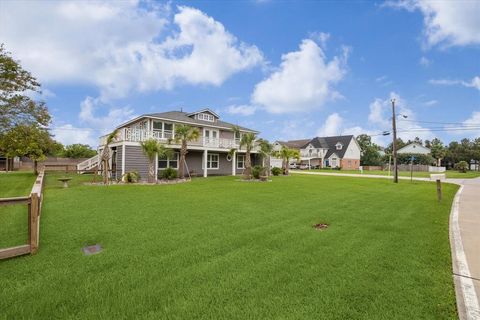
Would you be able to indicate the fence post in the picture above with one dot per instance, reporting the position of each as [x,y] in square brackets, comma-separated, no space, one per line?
[439,190]
[33,214]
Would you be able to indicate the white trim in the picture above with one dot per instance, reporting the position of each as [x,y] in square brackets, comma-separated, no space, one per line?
[168,161]
[467,288]
[206,163]
[203,111]
[204,166]
[236,162]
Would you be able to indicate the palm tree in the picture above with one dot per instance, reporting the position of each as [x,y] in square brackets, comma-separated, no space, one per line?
[105,157]
[248,141]
[184,134]
[151,148]
[266,149]
[286,154]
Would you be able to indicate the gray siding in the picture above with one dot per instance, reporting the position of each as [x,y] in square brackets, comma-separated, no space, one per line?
[194,163]
[119,162]
[135,160]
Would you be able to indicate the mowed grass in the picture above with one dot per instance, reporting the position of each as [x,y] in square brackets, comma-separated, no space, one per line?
[219,248]
[452,174]
[14,218]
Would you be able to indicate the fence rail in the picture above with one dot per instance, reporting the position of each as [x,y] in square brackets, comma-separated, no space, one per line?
[34,205]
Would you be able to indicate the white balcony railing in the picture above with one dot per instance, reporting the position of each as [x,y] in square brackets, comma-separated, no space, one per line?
[138,135]
[312,154]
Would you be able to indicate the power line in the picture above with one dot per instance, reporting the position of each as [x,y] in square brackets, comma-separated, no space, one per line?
[437,122]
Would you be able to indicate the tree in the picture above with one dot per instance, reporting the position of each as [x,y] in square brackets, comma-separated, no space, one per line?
[248,141]
[437,150]
[78,150]
[57,149]
[16,106]
[266,149]
[105,157]
[27,140]
[151,148]
[370,155]
[286,154]
[184,134]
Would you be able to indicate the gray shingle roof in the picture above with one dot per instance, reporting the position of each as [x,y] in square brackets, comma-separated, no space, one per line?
[182,116]
[322,142]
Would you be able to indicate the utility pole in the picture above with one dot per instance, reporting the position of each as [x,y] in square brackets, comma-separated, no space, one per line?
[394,152]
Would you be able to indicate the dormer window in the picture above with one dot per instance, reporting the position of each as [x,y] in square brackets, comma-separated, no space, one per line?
[206,117]
[339,146]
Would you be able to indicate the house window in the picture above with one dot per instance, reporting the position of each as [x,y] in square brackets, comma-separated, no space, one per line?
[213,161]
[339,146]
[164,129]
[169,162]
[238,135]
[334,162]
[206,117]
[241,161]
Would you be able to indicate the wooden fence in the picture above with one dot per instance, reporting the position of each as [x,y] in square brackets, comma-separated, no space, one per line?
[34,205]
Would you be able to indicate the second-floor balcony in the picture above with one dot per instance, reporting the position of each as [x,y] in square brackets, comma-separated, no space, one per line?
[139,135]
[311,154]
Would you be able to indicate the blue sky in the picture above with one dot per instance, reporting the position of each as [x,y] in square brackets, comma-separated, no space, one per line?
[290,69]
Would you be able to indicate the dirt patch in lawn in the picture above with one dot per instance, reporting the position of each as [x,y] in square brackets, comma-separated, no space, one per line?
[320,226]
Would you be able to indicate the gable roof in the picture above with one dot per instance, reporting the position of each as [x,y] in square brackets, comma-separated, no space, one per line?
[202,111]
[297,144]
[414,148]
[183,117]
[322,143]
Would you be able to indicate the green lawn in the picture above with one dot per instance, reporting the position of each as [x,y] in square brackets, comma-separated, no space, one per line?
[219,248]
[449,173]
[13,218]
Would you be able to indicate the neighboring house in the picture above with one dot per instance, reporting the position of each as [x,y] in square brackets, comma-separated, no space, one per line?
[335,152]
[414,148]
[209,155]
[9,163]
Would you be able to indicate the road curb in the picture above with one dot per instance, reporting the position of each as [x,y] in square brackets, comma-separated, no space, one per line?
[467,302]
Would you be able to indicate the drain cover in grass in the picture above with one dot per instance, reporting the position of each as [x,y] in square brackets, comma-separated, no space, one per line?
[320,226]
[89,250]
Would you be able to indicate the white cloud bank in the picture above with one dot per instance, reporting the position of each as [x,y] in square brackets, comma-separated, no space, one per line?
[446,23]
[304,81]
[474,83]
[379,120]
[122,46]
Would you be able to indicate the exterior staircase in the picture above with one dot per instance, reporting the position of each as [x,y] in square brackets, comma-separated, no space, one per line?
[88,164]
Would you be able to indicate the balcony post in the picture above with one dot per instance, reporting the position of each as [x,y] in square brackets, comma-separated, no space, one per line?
[234,161]
[205,157]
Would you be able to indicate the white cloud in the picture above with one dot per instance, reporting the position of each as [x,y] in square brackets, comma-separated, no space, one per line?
[69,134]
[113,118]
[424,62]
[473,121]
[304,81]
[430,103]
[321,38]
[244,110]
[122,46]
[332,126]
[446,23]
[474,83]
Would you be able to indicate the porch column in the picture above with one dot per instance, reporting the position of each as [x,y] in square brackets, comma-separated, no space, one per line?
[234,162]
[205,152]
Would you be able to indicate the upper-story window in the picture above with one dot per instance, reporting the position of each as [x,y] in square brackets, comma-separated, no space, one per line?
[164,129]
[238,135]
[339,146]
[206,117]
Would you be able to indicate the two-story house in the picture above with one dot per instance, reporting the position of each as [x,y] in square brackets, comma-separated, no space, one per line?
[208,155]
[334,152]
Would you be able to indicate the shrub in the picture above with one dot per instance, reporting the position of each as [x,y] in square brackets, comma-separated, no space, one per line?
[462,166]
[276,171]
[168,174]
[131,177]
[258,171]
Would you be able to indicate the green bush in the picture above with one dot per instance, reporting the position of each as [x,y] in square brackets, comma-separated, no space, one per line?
[258,171]
[462,166]
[168,174]
[131,177]
[276,171]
